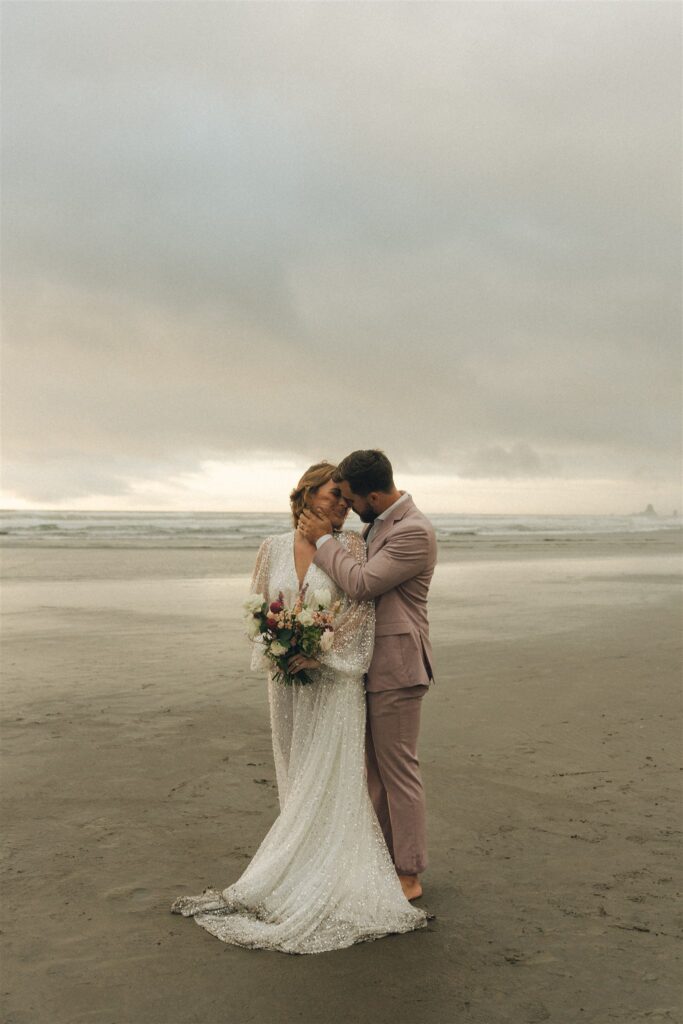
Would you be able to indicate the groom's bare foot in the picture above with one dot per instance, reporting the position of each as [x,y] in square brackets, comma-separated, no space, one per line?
[410,884]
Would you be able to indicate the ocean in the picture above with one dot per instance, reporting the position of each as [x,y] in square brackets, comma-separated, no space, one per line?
[247,529]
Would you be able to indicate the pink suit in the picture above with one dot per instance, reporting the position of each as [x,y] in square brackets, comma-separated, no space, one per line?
[401,559]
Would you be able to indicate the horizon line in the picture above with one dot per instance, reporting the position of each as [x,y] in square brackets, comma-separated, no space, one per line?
[251,512]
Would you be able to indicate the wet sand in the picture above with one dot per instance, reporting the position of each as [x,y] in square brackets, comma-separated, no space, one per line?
[137,766]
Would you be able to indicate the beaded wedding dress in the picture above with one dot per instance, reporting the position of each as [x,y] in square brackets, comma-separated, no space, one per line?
[322,878]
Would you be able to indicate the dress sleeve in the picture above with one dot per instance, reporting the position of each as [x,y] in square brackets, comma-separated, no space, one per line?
[259,585]
[354,624]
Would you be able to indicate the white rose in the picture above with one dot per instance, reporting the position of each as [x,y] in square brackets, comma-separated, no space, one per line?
[326,641]
[305,617]
[253,603]
[322,598]
[277,649]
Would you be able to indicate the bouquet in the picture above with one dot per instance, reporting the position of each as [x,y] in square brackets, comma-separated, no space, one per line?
[307,628]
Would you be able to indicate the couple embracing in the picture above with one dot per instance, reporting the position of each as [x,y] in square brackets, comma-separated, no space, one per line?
[342,862]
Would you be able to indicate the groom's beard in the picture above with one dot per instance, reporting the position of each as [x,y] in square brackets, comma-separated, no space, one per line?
[368,516]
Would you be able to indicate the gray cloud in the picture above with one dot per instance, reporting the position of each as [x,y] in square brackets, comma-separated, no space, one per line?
[450,230]
[520,460]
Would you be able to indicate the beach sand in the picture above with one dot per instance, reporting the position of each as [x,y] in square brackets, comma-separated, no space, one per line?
[137,767]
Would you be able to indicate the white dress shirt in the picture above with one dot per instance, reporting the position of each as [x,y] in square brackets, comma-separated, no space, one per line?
[383,515]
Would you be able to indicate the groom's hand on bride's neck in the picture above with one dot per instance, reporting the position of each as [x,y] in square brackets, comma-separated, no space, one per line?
[314,525]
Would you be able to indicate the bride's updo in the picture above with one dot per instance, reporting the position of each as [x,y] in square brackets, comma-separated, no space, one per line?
[314,477]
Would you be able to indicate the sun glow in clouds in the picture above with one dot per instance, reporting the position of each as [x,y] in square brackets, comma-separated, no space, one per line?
[263,485]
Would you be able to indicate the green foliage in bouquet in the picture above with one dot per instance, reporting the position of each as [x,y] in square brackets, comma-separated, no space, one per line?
[304,629]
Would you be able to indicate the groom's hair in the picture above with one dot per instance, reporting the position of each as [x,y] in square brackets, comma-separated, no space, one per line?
[365,471]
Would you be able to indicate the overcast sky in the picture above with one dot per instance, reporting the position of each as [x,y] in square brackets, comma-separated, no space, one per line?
[242,237]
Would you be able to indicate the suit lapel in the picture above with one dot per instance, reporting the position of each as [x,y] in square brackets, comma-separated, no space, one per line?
[398,513]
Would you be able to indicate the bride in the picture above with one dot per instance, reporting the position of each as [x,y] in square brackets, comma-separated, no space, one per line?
[323,877]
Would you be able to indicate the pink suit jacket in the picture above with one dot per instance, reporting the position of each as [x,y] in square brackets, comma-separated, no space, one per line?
[397,574]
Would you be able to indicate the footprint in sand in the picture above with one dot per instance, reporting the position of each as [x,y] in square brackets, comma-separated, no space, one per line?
[128,892]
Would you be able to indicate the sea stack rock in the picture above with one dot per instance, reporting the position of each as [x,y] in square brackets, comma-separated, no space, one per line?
[649,511]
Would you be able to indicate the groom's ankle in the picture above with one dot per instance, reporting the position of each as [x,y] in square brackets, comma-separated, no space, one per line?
[410,884]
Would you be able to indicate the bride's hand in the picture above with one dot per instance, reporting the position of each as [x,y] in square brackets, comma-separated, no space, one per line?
[298,662]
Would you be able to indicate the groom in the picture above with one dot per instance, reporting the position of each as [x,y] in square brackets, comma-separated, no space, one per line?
[401,547]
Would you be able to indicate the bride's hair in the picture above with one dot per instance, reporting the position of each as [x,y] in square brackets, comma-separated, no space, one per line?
[314,477]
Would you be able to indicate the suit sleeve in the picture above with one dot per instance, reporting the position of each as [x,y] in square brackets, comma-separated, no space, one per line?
[405,554]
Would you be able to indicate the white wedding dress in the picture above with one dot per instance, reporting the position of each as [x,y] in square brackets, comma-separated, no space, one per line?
[322,878]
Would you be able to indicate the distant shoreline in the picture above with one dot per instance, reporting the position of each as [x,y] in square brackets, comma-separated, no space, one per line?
[161,559]
[251,543]
[245,531]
